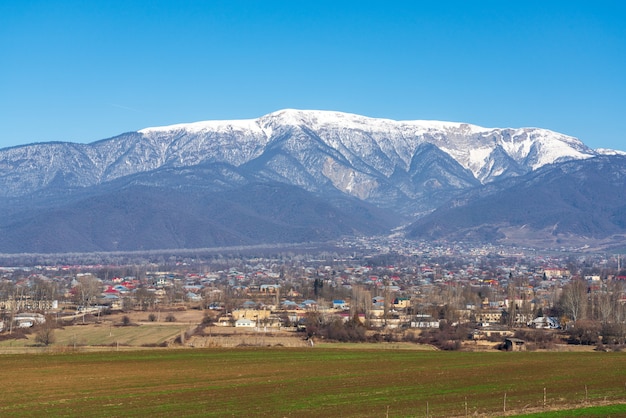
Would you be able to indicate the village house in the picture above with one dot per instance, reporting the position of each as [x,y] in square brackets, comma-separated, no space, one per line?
[491,331]
[27,320]
[27,304]
[424,321]
[554,272]
[401,303]
[269,288]
[545,322]
[252,314]
[245,323]
[340,304]
[489,316]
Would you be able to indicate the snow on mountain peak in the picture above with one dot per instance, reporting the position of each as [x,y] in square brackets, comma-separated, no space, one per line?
[206,126]
[605,151]
[470,145]
[319,118]
[326,145]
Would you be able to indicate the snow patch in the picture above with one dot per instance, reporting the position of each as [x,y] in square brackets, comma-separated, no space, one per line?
[208,126]
[606,151]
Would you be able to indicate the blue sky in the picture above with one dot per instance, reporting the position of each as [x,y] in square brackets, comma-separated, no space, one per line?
[81,71]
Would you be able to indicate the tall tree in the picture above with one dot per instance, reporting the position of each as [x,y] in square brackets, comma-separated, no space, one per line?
[318,285]
[606,303]
[144,298]
[574,299]
[512,308]
[87,290]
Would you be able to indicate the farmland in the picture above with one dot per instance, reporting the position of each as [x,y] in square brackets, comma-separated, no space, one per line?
[108,333]
[315,381]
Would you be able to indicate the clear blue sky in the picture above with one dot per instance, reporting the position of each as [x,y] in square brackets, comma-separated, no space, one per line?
[81,71]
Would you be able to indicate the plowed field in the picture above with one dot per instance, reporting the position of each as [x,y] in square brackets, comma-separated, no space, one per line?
[316,382]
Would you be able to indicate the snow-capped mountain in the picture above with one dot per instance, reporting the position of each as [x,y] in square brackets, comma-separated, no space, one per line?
[289,176]
[383,144]
[356,155]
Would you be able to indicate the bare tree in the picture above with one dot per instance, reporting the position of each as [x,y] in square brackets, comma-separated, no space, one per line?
[144,298]
[361,301]
[45,333]
[574,299]
[87,290]
[606,303]
[43,289]
[387,300]
[619,314]
[175,293]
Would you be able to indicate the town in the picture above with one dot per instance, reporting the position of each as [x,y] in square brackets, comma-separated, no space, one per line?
[452,296]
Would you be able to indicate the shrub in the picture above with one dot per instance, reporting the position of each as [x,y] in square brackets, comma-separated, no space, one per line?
[450,345]
[207,320]
[343,331]
[170,318]
[584,333]
[163,344]
[45,335]
[152,317]
[537,338]
[447,337]
[199,331]
[613,333]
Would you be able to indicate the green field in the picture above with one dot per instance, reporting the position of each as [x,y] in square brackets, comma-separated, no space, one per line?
[311,382]
[592,411]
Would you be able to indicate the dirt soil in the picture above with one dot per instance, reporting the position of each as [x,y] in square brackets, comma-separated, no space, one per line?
[190,316]
[216,336]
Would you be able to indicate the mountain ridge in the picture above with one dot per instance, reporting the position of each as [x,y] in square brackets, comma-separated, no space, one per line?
[577,202]
[365,145]
[365,175]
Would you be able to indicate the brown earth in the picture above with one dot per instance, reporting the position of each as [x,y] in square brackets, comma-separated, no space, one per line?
[307,382]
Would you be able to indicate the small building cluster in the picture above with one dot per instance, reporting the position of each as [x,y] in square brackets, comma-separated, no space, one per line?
[386,284]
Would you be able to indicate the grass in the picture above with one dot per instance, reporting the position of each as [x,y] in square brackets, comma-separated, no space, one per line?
[316,381]
[377,346]
[618,410]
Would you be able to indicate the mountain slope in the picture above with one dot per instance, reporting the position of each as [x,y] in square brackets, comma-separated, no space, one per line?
[575,200]
[289,176]
[146,217]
